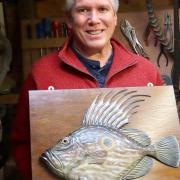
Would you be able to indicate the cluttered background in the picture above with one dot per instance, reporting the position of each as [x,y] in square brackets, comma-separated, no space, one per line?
[30,29]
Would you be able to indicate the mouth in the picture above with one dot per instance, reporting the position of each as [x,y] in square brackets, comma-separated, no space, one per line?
[94,32]
[50,161]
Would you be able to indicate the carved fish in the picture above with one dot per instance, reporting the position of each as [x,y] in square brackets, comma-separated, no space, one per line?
[102,149]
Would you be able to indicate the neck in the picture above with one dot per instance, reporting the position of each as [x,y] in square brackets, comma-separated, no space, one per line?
[96,54]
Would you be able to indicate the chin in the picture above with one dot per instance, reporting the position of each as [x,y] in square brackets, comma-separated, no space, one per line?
[96,45]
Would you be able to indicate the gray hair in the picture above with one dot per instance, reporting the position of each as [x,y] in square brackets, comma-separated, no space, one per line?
[70,3]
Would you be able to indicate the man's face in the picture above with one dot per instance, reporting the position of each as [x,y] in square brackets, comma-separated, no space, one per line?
[92,23]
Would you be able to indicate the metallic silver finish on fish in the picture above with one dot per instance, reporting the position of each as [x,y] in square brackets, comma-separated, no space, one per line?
[101,149]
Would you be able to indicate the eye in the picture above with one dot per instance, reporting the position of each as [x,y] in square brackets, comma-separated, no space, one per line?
[103,9]
[65,141]
[82,10]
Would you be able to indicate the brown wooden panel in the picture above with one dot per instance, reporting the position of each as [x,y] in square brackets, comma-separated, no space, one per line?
[43,43]
[55,8]
[139,21]
[55,113]
[9,99]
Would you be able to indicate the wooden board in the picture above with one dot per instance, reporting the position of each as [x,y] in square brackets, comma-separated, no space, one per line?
[53,114]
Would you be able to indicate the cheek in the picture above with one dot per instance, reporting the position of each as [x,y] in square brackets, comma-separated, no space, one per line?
[78,22]
[110,21]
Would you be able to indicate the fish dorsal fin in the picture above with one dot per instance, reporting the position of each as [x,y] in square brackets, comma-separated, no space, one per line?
[137,136]
[113,109]
[140,169]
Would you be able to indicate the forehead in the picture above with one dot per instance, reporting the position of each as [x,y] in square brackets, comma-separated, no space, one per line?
[92,3]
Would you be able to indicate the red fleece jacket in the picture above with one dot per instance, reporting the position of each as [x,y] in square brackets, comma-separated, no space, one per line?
[63,70]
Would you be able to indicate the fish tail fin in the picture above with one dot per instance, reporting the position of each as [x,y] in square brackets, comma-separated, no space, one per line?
[168,151]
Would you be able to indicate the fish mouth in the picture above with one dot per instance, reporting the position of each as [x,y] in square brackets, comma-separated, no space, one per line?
[49,159]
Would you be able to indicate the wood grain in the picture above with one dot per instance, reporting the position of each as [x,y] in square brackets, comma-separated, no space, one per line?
[53,114]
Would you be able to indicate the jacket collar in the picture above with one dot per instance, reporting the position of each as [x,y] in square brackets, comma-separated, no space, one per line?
[68,57]
[122,59]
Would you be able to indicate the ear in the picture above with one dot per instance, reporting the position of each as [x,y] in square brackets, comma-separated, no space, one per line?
[69,21]
[69,26]
[115,19]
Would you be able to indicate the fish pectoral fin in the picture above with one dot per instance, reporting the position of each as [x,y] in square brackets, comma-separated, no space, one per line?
[141,169]
[97,157]
[137,135]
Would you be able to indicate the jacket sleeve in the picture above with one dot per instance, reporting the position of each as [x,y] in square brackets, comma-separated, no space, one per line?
[20,133]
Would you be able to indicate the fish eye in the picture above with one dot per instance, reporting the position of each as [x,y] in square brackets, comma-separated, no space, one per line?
[65,141]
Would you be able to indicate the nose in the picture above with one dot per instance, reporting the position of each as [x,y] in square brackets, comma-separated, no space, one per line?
[94,18]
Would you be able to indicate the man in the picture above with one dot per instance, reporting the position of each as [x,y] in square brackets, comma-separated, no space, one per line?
[89,59]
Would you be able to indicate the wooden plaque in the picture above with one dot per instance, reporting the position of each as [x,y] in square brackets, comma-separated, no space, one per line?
[54,114]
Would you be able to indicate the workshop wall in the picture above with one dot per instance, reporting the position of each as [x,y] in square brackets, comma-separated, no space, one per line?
[27,50]
[34,47]
[55,7]
[29,10]
[133,10]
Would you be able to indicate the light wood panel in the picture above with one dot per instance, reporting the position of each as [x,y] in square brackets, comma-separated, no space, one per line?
[56,113]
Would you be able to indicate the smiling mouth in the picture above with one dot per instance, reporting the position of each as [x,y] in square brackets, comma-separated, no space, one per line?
[94,32]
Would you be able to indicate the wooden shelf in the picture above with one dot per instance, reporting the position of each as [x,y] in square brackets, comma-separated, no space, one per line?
[9,99]
[42,43]
[34,46]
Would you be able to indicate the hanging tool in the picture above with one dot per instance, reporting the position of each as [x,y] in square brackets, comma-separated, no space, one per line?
[40,30]
[64,30]
[153,20]
[168,32]
[55,29]
[162,52]
[40,34]
[175,73]
[130,34]
[167,79]
[147,33]
[47,25]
